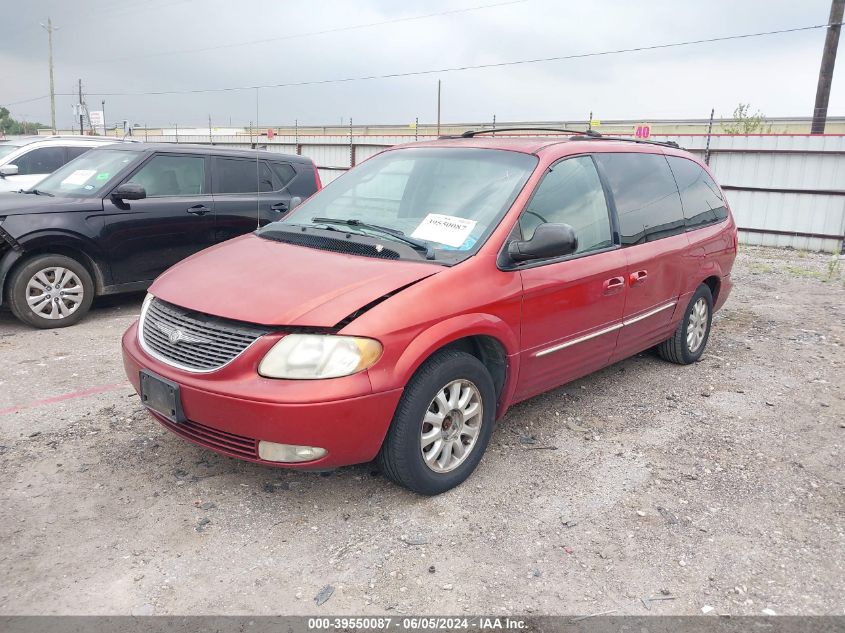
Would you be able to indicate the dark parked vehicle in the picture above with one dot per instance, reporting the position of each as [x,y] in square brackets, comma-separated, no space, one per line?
[113,219]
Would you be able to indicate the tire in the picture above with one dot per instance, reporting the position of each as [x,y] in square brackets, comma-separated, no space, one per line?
[401,457]
[688,342]
[69,303]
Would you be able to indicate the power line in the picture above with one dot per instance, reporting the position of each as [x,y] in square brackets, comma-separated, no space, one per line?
[417,73]
[312,33]
[11,103]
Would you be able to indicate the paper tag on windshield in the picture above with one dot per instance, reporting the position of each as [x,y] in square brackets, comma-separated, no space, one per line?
[444,229]
[79,177]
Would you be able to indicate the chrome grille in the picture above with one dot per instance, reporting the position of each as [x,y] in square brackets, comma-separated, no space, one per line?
[192,340]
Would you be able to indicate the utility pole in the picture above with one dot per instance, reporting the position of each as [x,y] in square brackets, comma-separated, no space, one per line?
[80,108]
[831,43]
[103,108]
[49,28]
[438,107]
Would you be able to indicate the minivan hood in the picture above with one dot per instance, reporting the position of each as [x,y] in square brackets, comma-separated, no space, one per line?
[262,281]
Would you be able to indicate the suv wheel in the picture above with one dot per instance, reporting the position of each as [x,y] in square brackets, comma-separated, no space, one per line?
[689,340]
[50,291]
[442,424]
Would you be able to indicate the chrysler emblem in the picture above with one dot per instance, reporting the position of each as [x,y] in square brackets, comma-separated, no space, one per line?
[177,335]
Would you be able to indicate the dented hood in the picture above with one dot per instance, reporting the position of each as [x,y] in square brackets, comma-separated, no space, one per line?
[272,283]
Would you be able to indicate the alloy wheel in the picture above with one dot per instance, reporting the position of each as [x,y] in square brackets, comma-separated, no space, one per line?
[697,326]
[451,426]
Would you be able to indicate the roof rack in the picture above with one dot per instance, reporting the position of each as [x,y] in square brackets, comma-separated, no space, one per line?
[599,137]
[472,133]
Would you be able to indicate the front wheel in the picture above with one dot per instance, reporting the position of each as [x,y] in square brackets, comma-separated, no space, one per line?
[689,340]
[50,291]
[442,424]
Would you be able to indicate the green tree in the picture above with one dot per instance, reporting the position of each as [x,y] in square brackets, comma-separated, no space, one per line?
[746,122]
[8,125]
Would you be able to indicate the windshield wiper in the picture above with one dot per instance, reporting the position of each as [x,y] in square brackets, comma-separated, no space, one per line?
[384,230]
[38,193]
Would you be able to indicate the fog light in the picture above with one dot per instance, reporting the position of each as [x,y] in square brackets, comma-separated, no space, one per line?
[273,452]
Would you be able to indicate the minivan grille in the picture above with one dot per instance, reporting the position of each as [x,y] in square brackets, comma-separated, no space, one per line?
[192,340]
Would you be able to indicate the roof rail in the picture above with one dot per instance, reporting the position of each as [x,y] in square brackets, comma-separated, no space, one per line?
[630,140]
[472,133]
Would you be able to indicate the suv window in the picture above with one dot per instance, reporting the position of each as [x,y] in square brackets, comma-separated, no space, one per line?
[172,176]
[239,175]
[700,196]
[571,193]
[284,173]
[44,160]
[645,194]
[74,152]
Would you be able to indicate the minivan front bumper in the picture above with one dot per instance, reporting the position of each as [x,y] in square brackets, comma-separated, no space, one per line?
[232,423]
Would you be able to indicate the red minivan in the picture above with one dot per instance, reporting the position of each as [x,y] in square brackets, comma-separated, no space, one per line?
[399,312]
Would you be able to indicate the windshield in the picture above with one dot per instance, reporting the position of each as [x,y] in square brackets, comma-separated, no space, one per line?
[450,199]
[87,175]
[7,148]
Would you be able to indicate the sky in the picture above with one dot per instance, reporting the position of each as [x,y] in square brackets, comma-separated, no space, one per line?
[137,46]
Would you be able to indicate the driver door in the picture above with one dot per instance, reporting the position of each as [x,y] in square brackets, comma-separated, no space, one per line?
[572,306]
[176,219]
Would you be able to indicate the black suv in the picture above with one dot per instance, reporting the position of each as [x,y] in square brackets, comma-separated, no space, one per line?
[113,219]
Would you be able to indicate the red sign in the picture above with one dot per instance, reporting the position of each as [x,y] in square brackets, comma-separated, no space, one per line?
[270,134]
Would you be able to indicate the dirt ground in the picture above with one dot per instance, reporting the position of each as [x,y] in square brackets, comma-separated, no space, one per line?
[715,485]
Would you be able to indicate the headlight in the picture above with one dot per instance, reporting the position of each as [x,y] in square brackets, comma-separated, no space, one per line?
[315,356]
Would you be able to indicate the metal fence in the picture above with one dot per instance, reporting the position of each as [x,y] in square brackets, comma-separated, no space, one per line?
[785,190]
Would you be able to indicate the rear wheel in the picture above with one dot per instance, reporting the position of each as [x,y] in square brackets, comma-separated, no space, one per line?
[689,340]
[50,291]
[442,424]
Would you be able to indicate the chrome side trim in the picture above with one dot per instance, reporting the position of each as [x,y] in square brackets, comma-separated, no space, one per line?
[580,339]
[640,317]
[611,328]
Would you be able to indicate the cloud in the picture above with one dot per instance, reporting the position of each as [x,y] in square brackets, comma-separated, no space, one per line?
[118,48]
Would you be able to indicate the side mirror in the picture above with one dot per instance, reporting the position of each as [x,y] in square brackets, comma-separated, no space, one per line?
[294,202]
[129,191]
[549,240]
[8,170]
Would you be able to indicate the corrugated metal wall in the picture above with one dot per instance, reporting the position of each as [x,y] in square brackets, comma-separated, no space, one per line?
[785,190]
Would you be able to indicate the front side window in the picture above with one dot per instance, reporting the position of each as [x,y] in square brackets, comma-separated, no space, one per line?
[44,160]
[171,176]
[87,175]
[237,175]
[448,198]
[75,152]
[645,194]
[700,196]
[571,193]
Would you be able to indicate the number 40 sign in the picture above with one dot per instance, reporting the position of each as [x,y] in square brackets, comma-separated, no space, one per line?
[643,130]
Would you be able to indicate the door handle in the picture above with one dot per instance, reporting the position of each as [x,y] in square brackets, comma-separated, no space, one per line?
[199,209]
[280,206]
[638,277]
[613,285]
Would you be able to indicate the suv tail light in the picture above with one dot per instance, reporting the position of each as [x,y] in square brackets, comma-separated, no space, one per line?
[317,177]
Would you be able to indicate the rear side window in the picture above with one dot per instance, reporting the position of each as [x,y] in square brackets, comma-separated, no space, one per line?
[172,176]
[571,193]
[44,160]
[284,173]
[645,194]
[701,197]
[238,175]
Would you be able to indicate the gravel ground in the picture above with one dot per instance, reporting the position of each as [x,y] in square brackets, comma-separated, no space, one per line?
[716,485]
